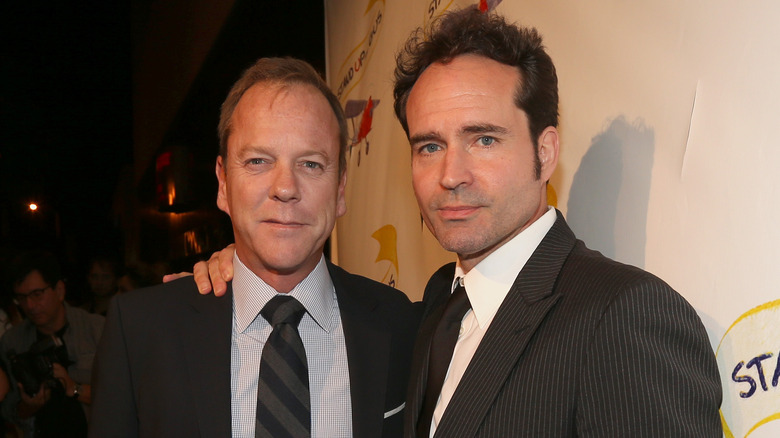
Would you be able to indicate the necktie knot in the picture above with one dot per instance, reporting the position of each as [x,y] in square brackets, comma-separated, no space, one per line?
[458,304]
[283,309]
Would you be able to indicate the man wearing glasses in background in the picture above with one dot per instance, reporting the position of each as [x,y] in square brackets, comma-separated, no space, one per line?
[55,335]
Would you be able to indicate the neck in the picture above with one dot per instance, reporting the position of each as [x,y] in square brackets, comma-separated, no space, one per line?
[282,280]
[468,261]
[282,283]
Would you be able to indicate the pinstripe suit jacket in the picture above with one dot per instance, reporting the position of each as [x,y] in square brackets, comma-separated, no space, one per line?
[581,346]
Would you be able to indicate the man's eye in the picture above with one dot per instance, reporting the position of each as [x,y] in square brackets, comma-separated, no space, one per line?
[486,141]
[312,165]
[255,161]
[429,148]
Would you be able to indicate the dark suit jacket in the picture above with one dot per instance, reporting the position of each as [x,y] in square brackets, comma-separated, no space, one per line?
[163,364]
[581,346]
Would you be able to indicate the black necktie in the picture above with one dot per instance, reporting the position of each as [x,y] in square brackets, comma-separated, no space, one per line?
[283,403]
[442,345]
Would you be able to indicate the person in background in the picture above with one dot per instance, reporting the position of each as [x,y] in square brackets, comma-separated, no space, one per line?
[51,403]
[102,282]
[134,277]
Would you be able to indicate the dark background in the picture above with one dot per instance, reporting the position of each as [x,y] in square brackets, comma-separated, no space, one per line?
[94,92]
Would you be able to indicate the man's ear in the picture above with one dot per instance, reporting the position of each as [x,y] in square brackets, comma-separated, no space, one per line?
[222,199]
[548,152]
[59,288]
[341,200]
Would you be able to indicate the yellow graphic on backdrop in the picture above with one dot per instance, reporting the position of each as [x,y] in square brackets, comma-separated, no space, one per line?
[388,250]
[749,361]
[552,197]
[371,5]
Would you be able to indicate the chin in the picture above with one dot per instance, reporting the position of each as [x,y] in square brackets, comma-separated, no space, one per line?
[285,263]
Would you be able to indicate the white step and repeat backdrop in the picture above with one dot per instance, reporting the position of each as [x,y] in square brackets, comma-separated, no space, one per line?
[668,162]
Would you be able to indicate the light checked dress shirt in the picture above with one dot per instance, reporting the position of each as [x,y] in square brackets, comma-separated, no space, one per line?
[323,338]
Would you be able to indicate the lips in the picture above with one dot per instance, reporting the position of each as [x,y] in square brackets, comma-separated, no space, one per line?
[277,222]
[457,212]
[282,224]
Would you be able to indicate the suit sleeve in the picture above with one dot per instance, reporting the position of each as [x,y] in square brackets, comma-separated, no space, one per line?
[650,370]
[113,397]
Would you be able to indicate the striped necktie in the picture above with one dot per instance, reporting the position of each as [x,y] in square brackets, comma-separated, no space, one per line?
[283,403]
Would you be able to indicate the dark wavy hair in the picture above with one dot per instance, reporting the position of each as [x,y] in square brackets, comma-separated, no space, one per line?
[35,260]
[284,71]
[469,31]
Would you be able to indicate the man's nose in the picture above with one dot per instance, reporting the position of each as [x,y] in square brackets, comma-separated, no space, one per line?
[455,168]
[285,184]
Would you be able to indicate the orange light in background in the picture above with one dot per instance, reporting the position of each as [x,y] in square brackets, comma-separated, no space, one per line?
[33,206]
[171,193]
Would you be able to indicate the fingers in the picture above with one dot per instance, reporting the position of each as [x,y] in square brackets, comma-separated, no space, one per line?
[225,261]
[176,276]
[61,373]
[214,274]
[25,398]
[58,370]
[220,286]
[201,273]
[39,399]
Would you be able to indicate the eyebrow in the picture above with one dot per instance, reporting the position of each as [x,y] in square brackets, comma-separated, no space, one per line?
[483,128]
[420,138]
[251,149]
[480,128]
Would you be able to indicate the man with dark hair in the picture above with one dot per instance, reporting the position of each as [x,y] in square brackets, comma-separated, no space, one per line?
[301,347]
[555,339]
[530,333]
[54,336]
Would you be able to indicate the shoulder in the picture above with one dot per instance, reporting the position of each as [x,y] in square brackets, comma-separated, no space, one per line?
[357,284]
[586,265]
[160,295]
[158,304]
[441,280]
[372,299]
[77,315]
[602,282]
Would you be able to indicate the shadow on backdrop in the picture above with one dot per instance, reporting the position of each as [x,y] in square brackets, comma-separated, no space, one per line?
[610,193]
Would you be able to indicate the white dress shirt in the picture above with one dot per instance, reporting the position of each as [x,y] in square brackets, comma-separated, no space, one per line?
[323,338]
[487,284]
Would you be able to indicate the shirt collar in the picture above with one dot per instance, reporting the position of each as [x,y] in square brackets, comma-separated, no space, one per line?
[488,283]
[251,293]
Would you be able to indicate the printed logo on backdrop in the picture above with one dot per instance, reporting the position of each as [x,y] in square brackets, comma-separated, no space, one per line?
[360,114]
[749,361]
[388,252]
[437,7]
[352,69]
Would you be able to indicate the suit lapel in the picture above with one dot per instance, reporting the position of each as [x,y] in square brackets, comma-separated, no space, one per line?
[205,333]
[367,354]
[435,297]
[530,298]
